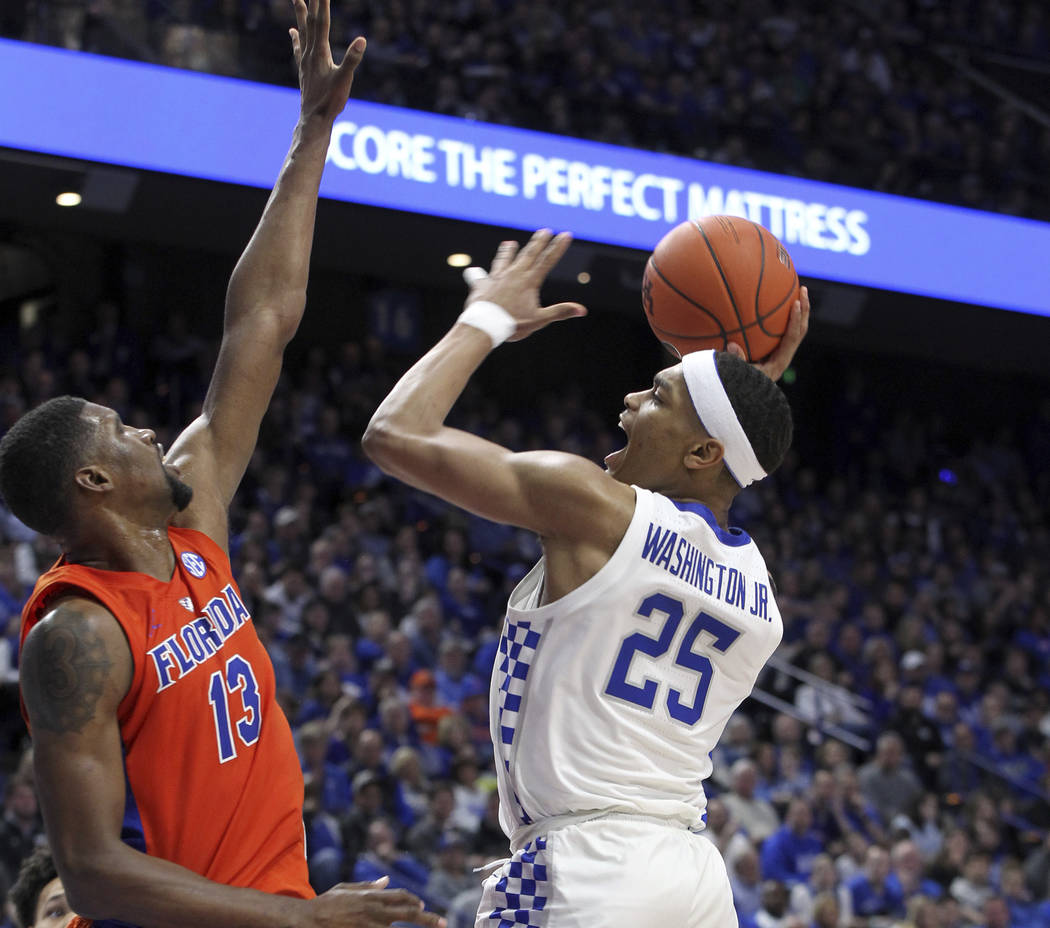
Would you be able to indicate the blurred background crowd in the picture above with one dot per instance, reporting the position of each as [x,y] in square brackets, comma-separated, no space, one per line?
[893,768]
[937,100]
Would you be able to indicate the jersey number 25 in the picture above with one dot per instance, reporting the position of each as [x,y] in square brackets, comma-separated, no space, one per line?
[645,695]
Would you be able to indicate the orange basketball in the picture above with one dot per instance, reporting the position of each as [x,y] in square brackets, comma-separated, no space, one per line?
[718,280]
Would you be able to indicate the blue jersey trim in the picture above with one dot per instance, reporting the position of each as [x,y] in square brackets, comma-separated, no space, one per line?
[131,831]
[734,537]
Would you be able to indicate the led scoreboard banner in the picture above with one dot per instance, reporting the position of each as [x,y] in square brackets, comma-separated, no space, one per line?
[127,113]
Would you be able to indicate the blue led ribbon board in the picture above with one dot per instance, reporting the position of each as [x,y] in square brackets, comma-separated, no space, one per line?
[121,112]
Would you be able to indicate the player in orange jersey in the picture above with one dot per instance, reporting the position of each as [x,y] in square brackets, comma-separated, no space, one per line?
[167,774]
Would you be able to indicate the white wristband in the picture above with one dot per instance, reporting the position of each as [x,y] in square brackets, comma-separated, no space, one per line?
[492,319]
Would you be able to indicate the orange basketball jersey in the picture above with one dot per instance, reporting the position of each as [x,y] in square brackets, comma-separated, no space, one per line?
[213,780]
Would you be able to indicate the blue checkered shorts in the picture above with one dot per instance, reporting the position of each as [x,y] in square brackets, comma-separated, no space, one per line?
[521,889]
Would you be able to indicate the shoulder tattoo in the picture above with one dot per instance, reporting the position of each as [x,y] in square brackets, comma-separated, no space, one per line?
[64,671]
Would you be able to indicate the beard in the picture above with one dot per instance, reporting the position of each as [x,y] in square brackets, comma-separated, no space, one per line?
[181,493]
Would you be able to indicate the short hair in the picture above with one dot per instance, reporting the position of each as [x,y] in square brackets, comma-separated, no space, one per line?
[38,458]
[37,870]
[761,407]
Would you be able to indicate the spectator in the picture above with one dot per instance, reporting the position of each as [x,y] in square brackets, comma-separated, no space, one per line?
[21,826]
[870,893]
[489,841]
[324,845]
[423,706]
[745,878]
[366,806]
[38,897]
[773,911]
[423,837]
[921,737]
[973,887]
[907,879]
[889,785]
[723,831]
[413,788]
[788,853]
[450,875]
[958,774]
[823,702]
[826,911]
[452,677]
[381,857]
[756,817]
[469,798]
[823,881]
[737,742]
[1037,870]
[330,781]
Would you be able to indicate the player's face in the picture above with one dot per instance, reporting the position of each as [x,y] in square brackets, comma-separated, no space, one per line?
[52,910]
[135,459]
[661,427]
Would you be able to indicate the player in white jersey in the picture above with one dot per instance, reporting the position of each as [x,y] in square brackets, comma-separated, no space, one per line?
[645,624]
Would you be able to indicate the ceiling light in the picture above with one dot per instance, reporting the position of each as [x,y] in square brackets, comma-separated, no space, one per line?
[583,277]
[459,259]
[68,198]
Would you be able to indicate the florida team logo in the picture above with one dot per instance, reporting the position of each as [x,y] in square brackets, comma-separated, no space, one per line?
[194,563]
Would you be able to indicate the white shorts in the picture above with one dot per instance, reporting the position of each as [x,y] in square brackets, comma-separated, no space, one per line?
[618,871]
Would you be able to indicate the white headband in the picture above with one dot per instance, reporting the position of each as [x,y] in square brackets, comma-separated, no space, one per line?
[717,417]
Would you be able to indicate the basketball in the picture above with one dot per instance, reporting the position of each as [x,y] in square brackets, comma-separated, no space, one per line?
[717,280]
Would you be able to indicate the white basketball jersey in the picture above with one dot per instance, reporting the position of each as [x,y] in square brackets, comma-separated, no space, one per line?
[613,697]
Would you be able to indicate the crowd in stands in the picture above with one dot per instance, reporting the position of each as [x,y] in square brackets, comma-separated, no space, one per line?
[861,94]
[911,571]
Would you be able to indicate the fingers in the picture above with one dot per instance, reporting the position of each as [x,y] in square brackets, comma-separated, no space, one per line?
[798,325]
[560,311]
[552,254]
[471,275]
[504,255]
[300,16]
[542,251]
[362,887]
[354,54]
[296,48]
[734,348]
[534,247]
[322,11]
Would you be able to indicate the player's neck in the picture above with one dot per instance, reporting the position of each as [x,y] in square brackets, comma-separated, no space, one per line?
[717,502]
[117,544]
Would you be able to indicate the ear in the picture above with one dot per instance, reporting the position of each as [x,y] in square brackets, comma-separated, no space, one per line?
[94,478]
[704,454]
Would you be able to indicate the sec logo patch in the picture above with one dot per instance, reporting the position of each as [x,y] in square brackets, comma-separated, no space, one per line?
[194,564]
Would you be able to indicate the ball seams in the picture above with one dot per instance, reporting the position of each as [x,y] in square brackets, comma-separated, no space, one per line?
[725,283]
[690,301]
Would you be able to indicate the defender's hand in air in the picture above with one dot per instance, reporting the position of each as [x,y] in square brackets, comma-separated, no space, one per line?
[325,86]
[514,281]
[369,905]
[797,327]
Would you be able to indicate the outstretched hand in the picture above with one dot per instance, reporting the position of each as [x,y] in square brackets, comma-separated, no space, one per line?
[324,85]
[515,278]
[369,905]
[798,324]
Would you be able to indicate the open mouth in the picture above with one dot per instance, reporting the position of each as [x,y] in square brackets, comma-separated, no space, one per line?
[613,459]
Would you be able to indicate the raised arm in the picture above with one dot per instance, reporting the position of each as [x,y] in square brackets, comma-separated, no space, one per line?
[76,668]
[267,292]
[559,496]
